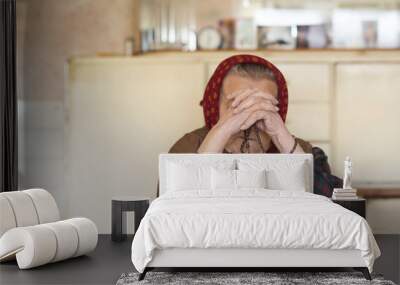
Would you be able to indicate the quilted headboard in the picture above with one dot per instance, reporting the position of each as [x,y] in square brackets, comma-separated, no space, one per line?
[235,159]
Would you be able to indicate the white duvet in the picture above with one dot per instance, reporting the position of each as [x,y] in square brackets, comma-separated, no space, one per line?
[251,218]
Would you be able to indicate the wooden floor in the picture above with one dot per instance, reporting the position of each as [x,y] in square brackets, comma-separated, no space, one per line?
[110,260]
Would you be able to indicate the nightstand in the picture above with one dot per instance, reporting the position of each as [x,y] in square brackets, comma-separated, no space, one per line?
[357,205]
[126,204]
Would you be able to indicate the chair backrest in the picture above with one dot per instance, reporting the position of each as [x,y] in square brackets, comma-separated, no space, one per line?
[268,161]
[27,208]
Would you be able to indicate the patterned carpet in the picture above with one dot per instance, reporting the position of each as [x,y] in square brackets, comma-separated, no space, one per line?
[273,278]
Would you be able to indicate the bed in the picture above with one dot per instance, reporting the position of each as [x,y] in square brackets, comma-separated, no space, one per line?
[245,211]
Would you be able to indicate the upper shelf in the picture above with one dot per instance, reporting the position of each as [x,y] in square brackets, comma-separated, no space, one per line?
[304,55]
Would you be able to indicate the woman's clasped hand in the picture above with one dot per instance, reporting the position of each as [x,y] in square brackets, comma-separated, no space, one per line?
[249,106]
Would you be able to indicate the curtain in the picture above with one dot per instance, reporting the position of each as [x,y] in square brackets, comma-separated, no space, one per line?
[8,97]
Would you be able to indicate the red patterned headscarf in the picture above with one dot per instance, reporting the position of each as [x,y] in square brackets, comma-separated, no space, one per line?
[210,100]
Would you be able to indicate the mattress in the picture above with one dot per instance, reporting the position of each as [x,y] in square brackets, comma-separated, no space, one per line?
[250,219]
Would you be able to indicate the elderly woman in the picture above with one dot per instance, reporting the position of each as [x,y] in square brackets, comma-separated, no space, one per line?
[245,105]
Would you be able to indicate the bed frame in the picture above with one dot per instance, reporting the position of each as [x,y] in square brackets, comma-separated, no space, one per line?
[248,259]
[240,259]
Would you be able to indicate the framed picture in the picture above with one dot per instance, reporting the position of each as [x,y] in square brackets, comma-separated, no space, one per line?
[245,34]
[227,30]
[262,37]
[370,33]
[312,36]
[278,37]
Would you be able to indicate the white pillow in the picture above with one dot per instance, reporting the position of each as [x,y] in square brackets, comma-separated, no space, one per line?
[187,177]
[251,178]
[237,179]
[223,179]
[292,178]
[185,174]
[281,174]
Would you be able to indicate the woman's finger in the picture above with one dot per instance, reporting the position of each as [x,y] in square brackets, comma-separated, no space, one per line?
[236,120]
[242,93]
[240,96]
[267,96]
[258,94]
[266,106]
[256,101]
[261,107]
[260,125]
[254,117]
[246,103]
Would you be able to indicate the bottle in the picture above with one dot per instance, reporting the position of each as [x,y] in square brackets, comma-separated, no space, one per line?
[347,173]
[129,46]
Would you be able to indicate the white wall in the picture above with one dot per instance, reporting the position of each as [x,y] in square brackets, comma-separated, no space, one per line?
[48,33]
[120,115]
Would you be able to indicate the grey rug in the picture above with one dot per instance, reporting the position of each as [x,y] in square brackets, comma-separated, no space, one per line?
[225,278]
